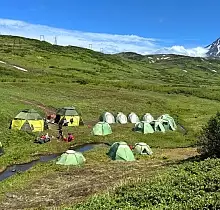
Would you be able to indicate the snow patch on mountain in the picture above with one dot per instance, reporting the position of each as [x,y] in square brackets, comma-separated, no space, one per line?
[19,68]
[214,49]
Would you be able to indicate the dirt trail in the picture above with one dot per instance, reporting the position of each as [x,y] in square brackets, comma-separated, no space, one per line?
[46,109]
[77,184]
[50,110]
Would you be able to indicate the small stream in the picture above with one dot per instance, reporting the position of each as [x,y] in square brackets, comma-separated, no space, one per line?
[17,168]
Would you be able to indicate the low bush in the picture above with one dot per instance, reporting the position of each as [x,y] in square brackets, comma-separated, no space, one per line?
[189,186]
[209,141]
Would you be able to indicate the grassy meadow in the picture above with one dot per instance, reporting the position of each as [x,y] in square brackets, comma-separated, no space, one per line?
[186,88]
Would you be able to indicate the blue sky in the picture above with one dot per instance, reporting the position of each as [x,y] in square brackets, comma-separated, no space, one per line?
[184,23]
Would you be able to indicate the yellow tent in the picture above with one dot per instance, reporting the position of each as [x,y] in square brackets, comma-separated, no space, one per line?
[70,114]
[28,120]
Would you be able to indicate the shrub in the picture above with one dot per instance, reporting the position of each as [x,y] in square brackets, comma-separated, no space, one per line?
[209,141]
[192,185]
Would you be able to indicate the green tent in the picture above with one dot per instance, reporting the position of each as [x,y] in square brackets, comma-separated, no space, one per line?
[67,111]
[107,117]
[168,122]
[120,151]
[142,148]
[71,157]
[121,118]
[28,114]
[101,129]
[157,126]
[143,127]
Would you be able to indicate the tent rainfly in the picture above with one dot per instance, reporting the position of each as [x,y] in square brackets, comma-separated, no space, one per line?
[121,118]
[28,120]
[133,118]
[143,127]
[120,151]
[70,114]
[101,129]
[157,126]
[168,122]
[71,157]
[107,117]
[148,117]
[142,149]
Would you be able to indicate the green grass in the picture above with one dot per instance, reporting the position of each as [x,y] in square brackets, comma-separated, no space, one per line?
[94,82]
[189,186]
[92,101]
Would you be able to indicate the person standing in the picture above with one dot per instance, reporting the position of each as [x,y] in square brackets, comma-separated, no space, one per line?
[60,124]
[60,134]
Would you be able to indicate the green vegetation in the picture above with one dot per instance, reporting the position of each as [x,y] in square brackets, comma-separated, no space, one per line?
[189,186]
[186,88]
[209,141]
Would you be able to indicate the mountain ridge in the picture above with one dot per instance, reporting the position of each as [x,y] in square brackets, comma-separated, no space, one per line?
[214,49]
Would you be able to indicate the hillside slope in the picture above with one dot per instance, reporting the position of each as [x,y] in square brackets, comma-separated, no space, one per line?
[186,88]
[50,63]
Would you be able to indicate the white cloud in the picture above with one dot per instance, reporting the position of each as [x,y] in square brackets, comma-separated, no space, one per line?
[110,43]
[180,50]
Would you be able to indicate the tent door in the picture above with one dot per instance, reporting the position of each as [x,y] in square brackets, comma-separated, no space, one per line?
[144,151]
[26,127]
[57,119]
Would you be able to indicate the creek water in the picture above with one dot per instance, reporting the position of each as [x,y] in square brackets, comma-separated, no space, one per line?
[17,168]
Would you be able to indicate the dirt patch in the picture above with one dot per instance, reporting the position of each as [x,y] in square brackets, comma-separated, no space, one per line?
[75,184]
[177,153]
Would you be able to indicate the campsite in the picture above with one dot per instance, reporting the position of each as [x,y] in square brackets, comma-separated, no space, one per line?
[60,78]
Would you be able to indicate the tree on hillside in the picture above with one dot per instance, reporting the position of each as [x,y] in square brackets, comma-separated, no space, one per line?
[209,140]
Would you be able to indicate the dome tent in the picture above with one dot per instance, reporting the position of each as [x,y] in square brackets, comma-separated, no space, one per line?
[121,118]
[168,122]
[147,117]
[120,151]
[101,129]
[142,148]
[71,114]
[28,120]
[133,118]
[71,157]
[107,117]
[157,126]
[143,127]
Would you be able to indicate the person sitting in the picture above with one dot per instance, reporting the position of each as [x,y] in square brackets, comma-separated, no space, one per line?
[70,137]
[43,137]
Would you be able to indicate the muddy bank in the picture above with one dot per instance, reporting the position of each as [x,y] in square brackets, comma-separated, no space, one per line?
[17,168]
